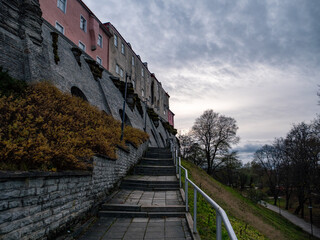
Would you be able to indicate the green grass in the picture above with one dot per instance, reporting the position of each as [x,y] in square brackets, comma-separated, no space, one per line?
[244,226]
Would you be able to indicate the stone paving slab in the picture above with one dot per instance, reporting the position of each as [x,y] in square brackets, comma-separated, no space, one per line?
[138,228]
[152,198]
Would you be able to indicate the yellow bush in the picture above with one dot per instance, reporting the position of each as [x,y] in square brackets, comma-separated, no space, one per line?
[48,130]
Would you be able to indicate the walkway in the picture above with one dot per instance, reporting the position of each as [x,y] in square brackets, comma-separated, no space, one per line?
[148,204]
[294,219]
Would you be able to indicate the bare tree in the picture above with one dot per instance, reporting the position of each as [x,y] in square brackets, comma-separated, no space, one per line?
[185,142]
[302,148]
[267,157]
[215,133]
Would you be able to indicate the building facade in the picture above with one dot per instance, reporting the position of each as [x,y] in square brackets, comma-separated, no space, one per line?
[104,43]
[76,21]
[123,61]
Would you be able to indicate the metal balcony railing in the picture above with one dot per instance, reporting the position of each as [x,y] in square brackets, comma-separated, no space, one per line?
[221,215]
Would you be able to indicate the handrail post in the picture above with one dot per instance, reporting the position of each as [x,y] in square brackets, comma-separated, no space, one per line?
[186,188]
[180,172]
[218,226]
[176,152]
[195,210]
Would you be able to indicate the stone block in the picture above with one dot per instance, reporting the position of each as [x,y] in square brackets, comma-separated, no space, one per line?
[9,194]
[52,188]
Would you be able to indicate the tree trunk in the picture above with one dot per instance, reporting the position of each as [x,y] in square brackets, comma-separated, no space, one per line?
[288,195]
[275,199]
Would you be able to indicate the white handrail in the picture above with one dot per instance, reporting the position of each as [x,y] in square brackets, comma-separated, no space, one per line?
[220,213]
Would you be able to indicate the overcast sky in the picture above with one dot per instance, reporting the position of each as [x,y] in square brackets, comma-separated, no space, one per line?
[256,61]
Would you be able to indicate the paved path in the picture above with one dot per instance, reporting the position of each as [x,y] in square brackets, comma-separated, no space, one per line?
[294,219]
[148,204]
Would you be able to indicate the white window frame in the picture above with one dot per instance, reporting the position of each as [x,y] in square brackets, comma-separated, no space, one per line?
[64,7]
[132,60]
[84,46]
[123,50]
[121,72]
[59,25]
[115,40]
[99,60]
[117,69]
[100,40]
[85,23]
[142,72]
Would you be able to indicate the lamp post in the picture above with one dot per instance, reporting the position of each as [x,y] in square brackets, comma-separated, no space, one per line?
[124,105]
[310,210]
[279,205]
[145,114]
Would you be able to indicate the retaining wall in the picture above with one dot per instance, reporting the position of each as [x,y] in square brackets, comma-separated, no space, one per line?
[38,205]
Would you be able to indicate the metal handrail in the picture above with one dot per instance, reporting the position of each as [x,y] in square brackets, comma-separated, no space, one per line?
[220,213]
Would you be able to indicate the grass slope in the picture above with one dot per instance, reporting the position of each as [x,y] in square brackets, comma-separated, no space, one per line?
[249,220]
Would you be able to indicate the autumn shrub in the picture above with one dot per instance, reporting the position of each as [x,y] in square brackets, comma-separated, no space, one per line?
[46,129]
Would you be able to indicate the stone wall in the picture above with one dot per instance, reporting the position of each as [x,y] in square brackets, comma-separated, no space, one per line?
[37,205]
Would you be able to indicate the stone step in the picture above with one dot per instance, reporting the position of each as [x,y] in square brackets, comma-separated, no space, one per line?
[144,188]
[155,167]
[158,155]
[154,172]
[143,208]
[158,162]
[143,182]
[159,150]
[128,214]
[141,185]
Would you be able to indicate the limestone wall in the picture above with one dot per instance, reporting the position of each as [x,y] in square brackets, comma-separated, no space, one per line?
[37,205]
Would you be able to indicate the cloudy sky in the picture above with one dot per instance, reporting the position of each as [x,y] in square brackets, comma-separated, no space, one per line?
[256,61]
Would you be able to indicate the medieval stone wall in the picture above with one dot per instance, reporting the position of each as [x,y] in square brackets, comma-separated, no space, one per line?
[38,205]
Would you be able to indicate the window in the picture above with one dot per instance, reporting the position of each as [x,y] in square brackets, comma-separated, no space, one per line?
[117,69]
[115,40]
[59,27]
[99,60]
[122,48]
[121,72]
[99,40]
[83,23]
[142,92]
[132,60]
[62,4]
[133,83]
[82,46]
[142,72]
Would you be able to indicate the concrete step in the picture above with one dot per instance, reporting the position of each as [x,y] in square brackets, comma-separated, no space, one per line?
[159,150]
[158,155]
[143,208]
[143,185]
[143,182]
[155,167]
[125,214]
[154,173]
[158,162]
[149,188]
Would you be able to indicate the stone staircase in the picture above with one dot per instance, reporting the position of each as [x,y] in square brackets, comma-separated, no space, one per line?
[151,192]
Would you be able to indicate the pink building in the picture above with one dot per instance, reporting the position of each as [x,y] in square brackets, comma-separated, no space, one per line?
[171,118]
[76,21]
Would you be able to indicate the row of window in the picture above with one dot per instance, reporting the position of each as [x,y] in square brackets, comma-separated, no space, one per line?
[60,28]
[123,52]
[62,5]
